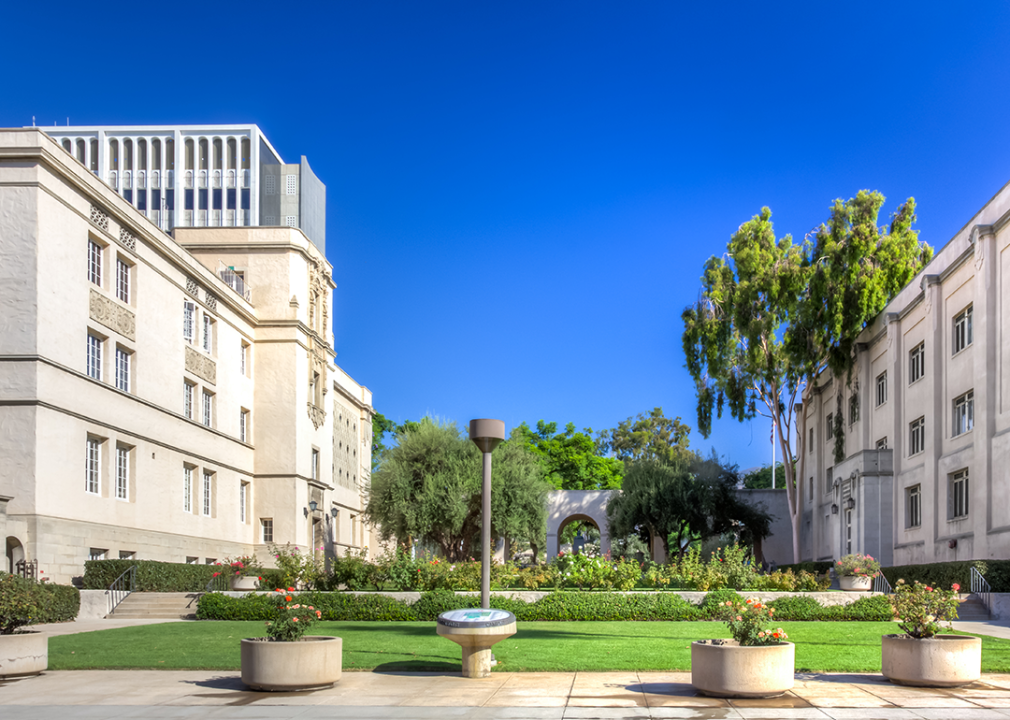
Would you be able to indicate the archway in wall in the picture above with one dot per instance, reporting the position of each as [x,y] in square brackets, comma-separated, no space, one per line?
[15,553]
[584,521]
[567,506]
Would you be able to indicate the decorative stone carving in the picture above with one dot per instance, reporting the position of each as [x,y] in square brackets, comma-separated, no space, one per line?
[201,365]
[100,218]
[113,316]
[128,240]
[192,288]
[211,302]
[317,415]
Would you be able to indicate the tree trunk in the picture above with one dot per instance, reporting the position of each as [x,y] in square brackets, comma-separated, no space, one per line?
[792,488]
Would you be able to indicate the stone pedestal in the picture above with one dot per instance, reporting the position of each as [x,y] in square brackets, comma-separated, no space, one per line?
[476,631]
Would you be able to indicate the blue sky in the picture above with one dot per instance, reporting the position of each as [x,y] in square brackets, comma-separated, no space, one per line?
[521,195]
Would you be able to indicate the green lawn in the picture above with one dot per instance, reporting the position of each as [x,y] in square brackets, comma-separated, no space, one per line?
[537,646]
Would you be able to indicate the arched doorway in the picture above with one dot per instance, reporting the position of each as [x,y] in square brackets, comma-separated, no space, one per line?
[565,507]
[15,553]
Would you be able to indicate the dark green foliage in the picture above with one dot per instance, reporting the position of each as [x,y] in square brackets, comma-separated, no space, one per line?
[152,576]
[216,606]
[432,604]
[271,578]
[57,603]
[334,606]
[720,597]
[945,574]
[797,608]
[875,607]
[817,568]
[652,437]
[571,459]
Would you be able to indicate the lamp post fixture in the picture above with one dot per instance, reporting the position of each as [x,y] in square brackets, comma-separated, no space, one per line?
[487,435]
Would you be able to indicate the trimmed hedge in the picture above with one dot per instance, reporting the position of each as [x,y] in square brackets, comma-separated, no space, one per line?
[945,574]
[152,576]
[568,606]
[817,568]
[57,603]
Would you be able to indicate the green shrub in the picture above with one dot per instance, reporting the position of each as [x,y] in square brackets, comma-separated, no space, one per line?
[945,574]
[151,576]
[57,603]
[817,568]
[18,603]
[873,607]
[797,608]
[716,598]
[432,604]
[271,579]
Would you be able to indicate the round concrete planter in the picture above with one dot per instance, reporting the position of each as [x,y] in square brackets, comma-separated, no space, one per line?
[851,583]
[733,670]
[23,654]
[311,663]
[940,661]
[246,583]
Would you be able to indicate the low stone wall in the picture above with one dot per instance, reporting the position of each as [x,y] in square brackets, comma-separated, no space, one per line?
[826,599]
[94,605]
[1000,609]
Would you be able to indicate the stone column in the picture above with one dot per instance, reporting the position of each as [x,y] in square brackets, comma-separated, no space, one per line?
[985,331]
[4,499]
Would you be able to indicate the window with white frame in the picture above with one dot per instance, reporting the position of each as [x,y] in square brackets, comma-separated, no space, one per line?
[830,434]
[122,473]
[92,466]
[290,184]
[881,388]
[208,333]
[917,436]
[243,501]
[962,330]
[94,262]
[291,221]
[188,390]
[123,369]
[882,443]
[315,464]
[828,480]
[122,280]
[243,425]
[189,321]
[959,494]
[208,481]
[913,506]
[916,363]
[244,360]
[964,413]
[208,408]
[97,553]
[187,489]
[94,357]
[267,530]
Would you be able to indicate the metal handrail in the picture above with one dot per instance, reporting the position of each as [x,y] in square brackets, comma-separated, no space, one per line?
[219,583]
[121,587]
[980,586]
[881,585]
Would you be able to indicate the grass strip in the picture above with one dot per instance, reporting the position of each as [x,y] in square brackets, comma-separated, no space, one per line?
[536,647]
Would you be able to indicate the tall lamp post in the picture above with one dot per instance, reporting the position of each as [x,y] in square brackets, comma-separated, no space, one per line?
[487,435]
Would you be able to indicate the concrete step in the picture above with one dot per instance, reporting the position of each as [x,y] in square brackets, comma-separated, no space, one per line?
[156,606]
[971,609]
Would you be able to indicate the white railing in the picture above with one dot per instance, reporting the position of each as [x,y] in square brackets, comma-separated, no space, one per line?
[980,586]
[234,280]
[881,585]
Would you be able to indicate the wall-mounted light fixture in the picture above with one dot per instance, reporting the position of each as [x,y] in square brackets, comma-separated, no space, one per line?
[334,512]
[952,543]
[834,509]
[313,505]
[850,503]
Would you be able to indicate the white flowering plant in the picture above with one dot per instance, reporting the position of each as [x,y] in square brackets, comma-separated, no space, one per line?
[919,609]
[748,620]
[291,619]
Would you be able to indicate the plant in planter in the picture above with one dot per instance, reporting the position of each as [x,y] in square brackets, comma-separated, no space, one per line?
[922,656]
[287,659]
[21,653]
[244,572]
[856,572]
[756,663]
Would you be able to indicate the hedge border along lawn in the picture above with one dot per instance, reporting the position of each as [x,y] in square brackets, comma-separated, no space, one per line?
[536,647]
[567,606]
[155,576]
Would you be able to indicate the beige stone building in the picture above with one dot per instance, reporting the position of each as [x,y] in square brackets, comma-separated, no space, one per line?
[166,398]
[926,469]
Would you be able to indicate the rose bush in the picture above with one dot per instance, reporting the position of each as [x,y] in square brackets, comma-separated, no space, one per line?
[920,608]
[291,619]
[857,565]
[747,622]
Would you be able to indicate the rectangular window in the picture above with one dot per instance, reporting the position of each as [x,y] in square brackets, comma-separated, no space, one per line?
[916,363]
[122,280]
[208,333]
[853,408]
[94,357]
[190,560]
[95,263]
[127,554]
[962,331]
[207,480]
[290,184]
[881,389]
[97,553]
[243,501]
[267,530]
[828,484]
[882,443]
[959,494]
[913,511]
[830,434]
[92,466]
[964,413]
[291,220]
[189,321]
[244,359]
[243,425]
[810,489]
[315,464]
[811,441]
[122,369]
[269,220]
[270,184]
[187,489]
[208,408]
[122,473]
[917,436]
[188,390]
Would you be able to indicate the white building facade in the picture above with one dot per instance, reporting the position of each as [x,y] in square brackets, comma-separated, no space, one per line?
[164,398]
[926,418]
